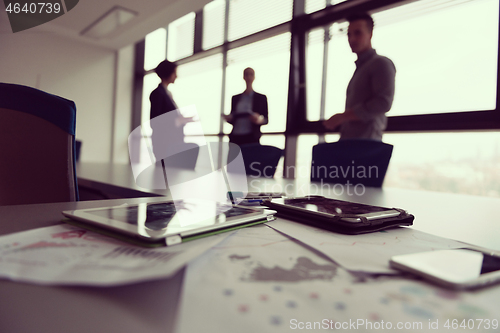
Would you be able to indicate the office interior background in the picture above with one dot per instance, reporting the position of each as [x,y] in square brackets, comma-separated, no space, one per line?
[444,122]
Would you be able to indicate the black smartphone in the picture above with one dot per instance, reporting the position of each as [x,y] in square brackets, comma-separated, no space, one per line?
[338,215]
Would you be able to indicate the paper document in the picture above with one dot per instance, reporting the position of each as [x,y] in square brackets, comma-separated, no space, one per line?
[366,252]
[258,280]
[67,255]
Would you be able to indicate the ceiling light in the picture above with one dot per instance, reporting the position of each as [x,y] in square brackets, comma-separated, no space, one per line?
[109,22]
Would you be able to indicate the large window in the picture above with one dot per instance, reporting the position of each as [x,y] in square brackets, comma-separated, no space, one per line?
[467,163]
[446,57]
[445,53]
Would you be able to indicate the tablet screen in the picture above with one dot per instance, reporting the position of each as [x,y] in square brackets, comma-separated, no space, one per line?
[178,215]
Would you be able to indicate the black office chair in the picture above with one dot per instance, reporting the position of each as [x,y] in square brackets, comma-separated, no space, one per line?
[355,161]
[259,160]
[78,149]
[37,154]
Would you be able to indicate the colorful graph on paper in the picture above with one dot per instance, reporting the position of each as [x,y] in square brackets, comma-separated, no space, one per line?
[258,280]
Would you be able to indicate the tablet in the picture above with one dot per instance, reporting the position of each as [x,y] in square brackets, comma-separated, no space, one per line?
[168,222]
[338,215]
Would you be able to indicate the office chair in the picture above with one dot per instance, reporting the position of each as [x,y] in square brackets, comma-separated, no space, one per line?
[354,161]
[78,149]
[260,160]
[37,150]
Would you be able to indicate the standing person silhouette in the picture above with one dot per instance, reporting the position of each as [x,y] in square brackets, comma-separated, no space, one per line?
[168,131]
[249,112]
[371,90]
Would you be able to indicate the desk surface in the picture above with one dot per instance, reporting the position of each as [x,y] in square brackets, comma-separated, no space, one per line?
[466,218]
[153,306]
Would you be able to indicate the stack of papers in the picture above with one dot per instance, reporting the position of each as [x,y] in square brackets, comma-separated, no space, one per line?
[67,255]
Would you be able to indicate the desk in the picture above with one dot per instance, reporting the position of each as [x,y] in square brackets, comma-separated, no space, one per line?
[112,180]
[153,306]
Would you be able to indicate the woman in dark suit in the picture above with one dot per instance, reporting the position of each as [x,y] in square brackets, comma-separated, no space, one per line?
[249,112]
[161,98]
[168,131]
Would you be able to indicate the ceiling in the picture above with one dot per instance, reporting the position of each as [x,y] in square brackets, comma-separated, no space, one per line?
[152,14]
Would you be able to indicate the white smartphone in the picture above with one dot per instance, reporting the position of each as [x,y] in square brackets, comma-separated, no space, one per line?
[455,269]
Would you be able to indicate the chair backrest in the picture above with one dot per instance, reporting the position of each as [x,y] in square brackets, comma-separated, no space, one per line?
[37,154]
[356,161]
[260,160]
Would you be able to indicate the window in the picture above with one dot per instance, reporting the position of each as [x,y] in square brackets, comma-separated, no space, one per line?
[314,72]
[213,24]
[305,144]
[466,163]
[315,5]
[199,83]
[181,37]
[150,82]
[340,69]
[445,53]
[156,48]
[250,16]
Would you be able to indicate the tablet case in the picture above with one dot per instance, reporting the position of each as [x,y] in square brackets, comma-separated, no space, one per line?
[335,223]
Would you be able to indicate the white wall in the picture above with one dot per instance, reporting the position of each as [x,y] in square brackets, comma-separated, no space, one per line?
[123,104]
[79,72]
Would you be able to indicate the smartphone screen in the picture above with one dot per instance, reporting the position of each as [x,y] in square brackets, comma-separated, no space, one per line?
[332,206]
[455,266]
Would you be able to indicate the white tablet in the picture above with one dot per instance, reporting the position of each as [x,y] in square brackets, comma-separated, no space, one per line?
[168,222]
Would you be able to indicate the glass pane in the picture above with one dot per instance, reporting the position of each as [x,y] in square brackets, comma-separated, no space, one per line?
[467,163]
[181,37]
[249,16]
[305,144]
[332,138]
[314,5]
[314,72]
[270,58]
[156,48]
[200,82]
[213,24]
[151,81]
[446,55]
[340,69]
[273,140]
